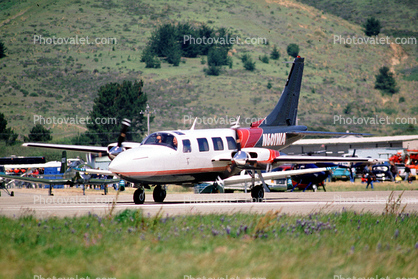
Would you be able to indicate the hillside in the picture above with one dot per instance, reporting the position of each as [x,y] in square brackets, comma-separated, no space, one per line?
[62,80]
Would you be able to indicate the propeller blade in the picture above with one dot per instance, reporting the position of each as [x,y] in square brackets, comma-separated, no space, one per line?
[114,151]
[126,123]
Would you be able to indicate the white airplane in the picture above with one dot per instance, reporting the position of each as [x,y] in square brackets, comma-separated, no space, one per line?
[186,157]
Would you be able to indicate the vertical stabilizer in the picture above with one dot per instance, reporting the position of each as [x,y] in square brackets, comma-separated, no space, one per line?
[63,162]
[285,112]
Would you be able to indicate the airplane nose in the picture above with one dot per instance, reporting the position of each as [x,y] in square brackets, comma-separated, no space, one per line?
[121,162]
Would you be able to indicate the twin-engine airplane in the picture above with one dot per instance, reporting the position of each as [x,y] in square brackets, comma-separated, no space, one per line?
[186,157]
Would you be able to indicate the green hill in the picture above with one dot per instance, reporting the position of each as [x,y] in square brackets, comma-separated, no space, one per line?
[61,80]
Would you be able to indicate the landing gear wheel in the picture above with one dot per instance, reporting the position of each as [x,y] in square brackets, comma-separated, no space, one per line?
[257,193]
[159,193]
[139,196]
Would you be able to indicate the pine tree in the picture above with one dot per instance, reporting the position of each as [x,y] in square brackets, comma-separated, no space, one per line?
[3,50]
[372,27]
[275,54]
[39,134]
[117,101]
[385,81]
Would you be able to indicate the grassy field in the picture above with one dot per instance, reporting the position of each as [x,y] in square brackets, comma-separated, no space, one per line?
[62,80]
[274,245]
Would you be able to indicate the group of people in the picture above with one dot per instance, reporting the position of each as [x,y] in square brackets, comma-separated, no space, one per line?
[370,177]
[34,173]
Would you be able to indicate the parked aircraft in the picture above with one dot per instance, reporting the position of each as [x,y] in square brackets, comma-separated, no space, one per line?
[187,157]
[71,176]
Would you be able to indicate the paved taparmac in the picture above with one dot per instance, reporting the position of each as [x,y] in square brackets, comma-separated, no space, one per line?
[63,203]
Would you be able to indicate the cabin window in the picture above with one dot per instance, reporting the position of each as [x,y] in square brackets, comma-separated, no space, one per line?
[218,144]
[232,145]
[187,148]
[203,144]
[165,139]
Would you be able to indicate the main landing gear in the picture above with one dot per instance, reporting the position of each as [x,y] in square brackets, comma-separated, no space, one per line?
[158,194]
[257,192]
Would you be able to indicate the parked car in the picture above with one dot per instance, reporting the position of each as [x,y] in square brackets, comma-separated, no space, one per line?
[382,172]
[340,174]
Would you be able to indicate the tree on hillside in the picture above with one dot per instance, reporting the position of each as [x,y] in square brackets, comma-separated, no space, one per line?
[174,41]
[293,50]
[372,27]
[3,50]
[39,134]
[249,65]
[385,81]
[115,102]
[6,134]
[275,54]
[217,57]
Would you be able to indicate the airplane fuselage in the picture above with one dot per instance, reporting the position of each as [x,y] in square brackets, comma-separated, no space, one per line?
[191,159]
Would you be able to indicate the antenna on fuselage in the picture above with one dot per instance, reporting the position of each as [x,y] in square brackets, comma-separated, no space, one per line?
[235,125]
[194,124]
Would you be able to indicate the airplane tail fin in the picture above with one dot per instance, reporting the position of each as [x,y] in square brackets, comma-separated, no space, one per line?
[285,112]
[63,162]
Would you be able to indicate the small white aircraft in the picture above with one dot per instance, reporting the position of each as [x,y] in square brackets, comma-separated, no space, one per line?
[186,157]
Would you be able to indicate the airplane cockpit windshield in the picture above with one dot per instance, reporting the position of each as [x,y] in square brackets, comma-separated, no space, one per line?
[166,139]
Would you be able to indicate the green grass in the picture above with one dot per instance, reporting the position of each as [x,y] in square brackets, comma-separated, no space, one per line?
[130,245]
[66,78]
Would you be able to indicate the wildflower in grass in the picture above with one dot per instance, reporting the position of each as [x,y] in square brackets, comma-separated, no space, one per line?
[396,234]
[416,245]
[228,230]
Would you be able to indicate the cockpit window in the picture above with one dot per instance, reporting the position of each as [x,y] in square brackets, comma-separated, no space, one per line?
[162,139]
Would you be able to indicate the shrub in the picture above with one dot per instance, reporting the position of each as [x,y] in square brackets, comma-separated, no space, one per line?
[385,81]
[249,65]
[275,54]
[372,27]
[264,59]
[293,50]
[3,50]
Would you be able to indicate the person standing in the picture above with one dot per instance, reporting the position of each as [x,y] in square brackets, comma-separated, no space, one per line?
[407,173]
[369,177]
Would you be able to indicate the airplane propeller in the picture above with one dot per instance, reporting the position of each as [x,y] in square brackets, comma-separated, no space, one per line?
[116,150]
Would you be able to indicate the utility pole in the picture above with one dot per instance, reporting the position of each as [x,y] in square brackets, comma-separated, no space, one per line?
[147,112]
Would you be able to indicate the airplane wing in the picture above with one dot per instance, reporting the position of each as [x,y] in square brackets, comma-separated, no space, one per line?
[250,157]
[93,181]
[83,148]
[94,171]
[290,159]
[272,175]
[322,133]
[97,181]
[37,180]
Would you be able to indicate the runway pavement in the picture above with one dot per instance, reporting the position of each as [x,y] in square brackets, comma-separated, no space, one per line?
[37,202]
